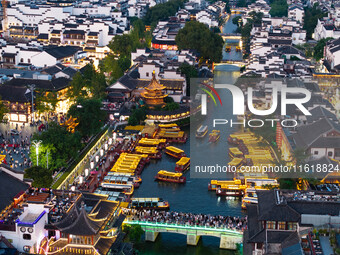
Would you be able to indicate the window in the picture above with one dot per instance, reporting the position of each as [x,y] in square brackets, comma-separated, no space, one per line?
[291,226]
[330,154]
[316,152]
[147,74]
[28,61]
[26,236]
[271,224]
[21,60]
[282,225]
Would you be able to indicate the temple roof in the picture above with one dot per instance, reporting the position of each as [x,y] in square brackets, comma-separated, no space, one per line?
[78,222]
[154,84]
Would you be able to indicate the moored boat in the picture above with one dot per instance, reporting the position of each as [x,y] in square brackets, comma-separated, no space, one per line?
[227,48]
[167,176]
[201,131]
[238,48]
[230,190]
[174,151]
[214,136]
[182,165]
[234,152]
[153,203]
[215,184]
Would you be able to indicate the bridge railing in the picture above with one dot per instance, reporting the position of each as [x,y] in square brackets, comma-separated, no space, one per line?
[165,224]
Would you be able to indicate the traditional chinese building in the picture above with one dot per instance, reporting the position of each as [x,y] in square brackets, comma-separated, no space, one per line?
[153,93]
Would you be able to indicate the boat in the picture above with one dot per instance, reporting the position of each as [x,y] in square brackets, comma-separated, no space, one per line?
[248,200]
[227,48]
[250,197]
[238,48]
[182,165]
[153,203]
[174,152]
[127,189]
[231,190]
[234,152]
[236,162]
[123,178]
[214,136]
[166,176]
[214,184]
[201,131]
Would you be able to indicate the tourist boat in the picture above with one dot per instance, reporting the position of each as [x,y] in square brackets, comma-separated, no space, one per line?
[234,152]
[249,198]
[214,136]
[215,184]
[201,131]
[230,190]
[123,178]
[174,151]
[153,203]
[182,165]
[127,189]
[170,177]
[227,48]
[233,140]
[238,48]
[236,162]
[152,152]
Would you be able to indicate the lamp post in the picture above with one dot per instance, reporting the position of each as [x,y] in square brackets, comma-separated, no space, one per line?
[32,87]
[36,144]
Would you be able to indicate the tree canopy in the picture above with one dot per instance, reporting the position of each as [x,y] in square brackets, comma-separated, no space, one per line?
[60,144]
[89,83]
[278,8]
[89,115]
[190,72]
[319,48]
[312,15]
[197,36]
[162,11]
[42,177]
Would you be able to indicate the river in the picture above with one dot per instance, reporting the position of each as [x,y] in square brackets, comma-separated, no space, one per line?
[191,197]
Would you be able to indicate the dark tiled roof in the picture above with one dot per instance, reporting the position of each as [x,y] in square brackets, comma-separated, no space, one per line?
[62,51]
[77,222]
[9,187]
[272,210]
[316,207]
[70,71]
[49,85]
[13,93]
[78,32]
[308,134]
[43,36]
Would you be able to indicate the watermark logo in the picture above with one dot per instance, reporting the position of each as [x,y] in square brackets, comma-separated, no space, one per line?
[239,99]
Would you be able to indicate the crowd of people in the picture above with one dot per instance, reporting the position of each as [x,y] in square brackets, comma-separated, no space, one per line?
[191,219]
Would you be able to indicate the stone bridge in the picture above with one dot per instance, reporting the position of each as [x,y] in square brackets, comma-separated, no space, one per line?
[233,36]
[228,237]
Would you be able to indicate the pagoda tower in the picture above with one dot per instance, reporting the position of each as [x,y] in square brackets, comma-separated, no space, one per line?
[153,93]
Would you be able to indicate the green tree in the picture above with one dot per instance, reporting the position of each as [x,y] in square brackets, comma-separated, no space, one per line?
[60,144]
[197,36]
[171,106]
[89,83]
[42,177]
[122,45]
[89,115]
[162,11]
[299,155]
[137,116]
[45,152]
[236,20]
[312,15]
[319,48]
[190,72]
[278,8]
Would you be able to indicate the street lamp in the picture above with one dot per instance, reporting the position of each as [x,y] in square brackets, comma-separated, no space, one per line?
[36,144]
[32,88]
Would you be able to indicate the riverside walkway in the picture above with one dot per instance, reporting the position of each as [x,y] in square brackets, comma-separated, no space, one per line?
[229,229]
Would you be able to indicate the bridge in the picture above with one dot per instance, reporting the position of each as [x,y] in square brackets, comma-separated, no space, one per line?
[231,36]
[238,10]
[238,63]
[228,237]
